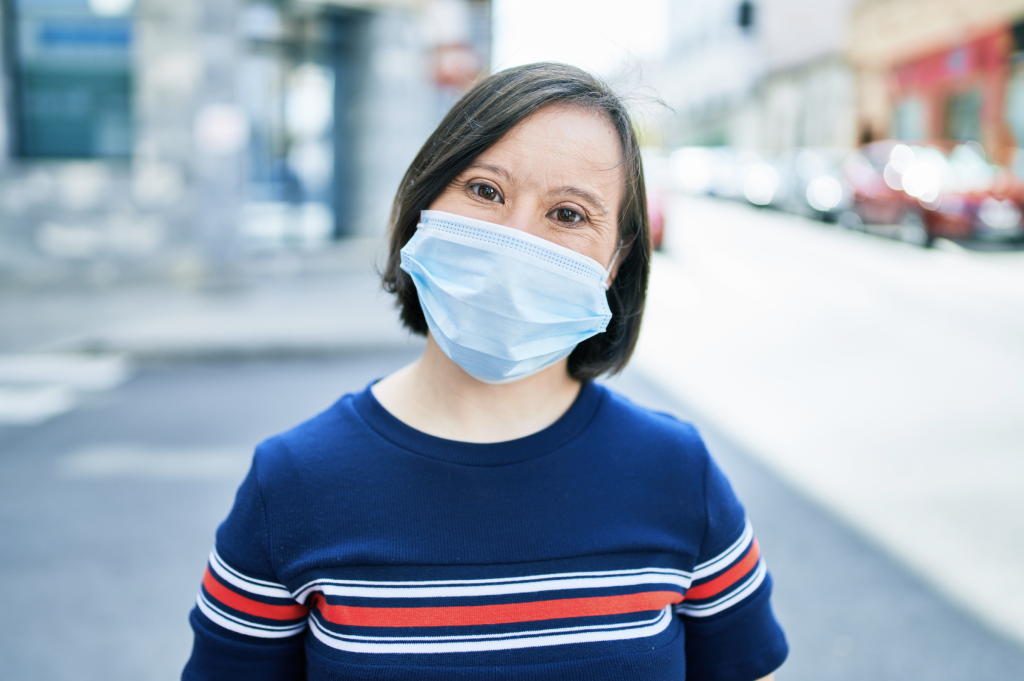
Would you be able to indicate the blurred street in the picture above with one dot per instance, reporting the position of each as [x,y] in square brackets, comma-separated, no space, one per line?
[194,197]
[109,504]
[883,380]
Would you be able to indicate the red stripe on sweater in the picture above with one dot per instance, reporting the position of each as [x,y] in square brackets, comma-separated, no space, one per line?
[247,605]
[466,615]
[727,578]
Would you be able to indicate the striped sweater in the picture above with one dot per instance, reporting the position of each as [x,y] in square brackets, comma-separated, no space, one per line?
[607,546]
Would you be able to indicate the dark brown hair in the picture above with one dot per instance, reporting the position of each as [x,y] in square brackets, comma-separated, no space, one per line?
[477,121]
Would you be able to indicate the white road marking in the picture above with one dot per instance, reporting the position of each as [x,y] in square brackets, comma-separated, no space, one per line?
[37,387]
[140,462]
[79,372]
[28,406]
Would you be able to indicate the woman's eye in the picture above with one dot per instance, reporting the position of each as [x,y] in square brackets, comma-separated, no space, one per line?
[487,192]
[568,215]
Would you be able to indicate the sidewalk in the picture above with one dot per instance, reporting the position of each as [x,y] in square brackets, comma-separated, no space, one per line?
[288,304]
[61,345]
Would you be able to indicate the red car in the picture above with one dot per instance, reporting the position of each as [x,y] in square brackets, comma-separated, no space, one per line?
[656,214]
[656,174]
[935,190]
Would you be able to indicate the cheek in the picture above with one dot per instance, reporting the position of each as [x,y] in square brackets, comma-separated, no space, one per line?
[607,251]
[446,200]
[596,244]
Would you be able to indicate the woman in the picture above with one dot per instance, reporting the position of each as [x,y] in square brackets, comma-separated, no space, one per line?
[489,512]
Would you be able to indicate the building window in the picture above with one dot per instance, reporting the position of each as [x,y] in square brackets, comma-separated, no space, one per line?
[1015,104]
[72,78]
[910,123]
[963,116]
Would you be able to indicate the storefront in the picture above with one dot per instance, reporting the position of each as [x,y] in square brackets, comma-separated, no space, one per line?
[1015,97]
[71,74]
[957,93]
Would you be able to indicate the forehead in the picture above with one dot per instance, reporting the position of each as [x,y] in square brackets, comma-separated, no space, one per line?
[560,143]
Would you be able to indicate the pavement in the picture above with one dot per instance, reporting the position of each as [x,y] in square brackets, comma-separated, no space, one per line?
[108,513]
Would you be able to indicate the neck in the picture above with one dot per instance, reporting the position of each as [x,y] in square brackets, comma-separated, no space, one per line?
[435,396]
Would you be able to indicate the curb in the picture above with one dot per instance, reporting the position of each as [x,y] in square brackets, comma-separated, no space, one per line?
[240,353]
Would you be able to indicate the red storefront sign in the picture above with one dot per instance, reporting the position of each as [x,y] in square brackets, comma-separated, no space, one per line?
[978,57]
[980,65]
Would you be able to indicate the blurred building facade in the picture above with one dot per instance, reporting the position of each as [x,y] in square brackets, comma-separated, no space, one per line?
[774,75]
[171,134]
[941,69]
[807,95]
[766,75]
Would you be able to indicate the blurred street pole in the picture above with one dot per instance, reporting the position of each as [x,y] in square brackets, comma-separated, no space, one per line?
[5,112]
[220,133]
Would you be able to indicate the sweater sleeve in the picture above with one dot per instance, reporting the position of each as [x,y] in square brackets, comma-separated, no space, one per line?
[731,632]
[246,623]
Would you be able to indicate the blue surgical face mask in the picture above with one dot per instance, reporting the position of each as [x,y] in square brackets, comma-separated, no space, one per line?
[501,303]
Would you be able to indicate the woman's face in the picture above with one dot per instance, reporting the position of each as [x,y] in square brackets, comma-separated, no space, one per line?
[557,175]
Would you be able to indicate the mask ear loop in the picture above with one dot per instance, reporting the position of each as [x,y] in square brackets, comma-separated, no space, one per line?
[615,259]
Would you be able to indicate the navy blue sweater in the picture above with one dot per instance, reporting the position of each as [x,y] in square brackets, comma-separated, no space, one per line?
[607,546]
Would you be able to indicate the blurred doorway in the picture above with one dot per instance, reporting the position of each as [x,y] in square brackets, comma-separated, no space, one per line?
[910,120]
[299,87]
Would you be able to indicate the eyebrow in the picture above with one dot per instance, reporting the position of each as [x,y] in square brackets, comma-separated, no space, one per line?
[585,195]
[571,191]
[497,170]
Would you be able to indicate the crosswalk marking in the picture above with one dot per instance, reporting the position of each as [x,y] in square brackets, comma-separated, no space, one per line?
[37,387]
[142,462]
[28,406]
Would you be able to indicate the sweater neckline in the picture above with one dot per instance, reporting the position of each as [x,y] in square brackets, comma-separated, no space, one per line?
[562,431]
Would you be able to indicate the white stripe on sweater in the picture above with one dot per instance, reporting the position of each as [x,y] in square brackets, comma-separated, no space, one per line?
[237,579]
[729,600]
[241,626]
[531,641]
[727,557]
[454,589]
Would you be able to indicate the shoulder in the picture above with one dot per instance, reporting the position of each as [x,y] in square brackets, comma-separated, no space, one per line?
[648,430]
[308,446]
[663,452]
[664,460]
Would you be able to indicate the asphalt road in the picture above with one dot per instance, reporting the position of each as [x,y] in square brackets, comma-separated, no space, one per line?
[107,514]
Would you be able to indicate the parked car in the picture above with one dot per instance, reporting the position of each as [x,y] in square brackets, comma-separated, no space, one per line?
[710,171]
[727,173]
[933,190]
[657,178]
[656,201]
[811,183]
